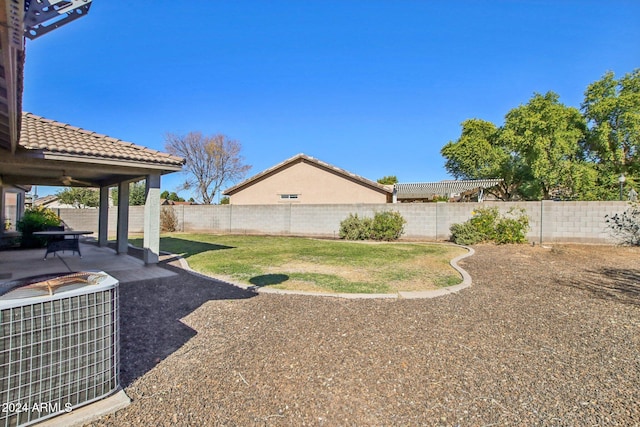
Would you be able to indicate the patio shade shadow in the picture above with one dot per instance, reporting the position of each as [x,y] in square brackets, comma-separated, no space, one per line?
[611,283]
[189,247]
[268,279]
[185,247]
[151,313]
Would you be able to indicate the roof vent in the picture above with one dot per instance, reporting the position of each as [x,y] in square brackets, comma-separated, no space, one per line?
[43,16]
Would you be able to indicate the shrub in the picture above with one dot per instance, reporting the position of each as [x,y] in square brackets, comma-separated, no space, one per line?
[466,234]
[355,228]
[387,226]
[36,219]
[168,219]
[485,221]
[383,226]
[487,225]
[625,227]
[511,230]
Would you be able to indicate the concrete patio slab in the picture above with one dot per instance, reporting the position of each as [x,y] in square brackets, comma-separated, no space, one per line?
[17,264]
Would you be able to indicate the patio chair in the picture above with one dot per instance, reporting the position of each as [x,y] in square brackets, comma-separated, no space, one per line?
[55,243]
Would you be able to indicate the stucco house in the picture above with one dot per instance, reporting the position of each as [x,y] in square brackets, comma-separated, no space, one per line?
[306,180]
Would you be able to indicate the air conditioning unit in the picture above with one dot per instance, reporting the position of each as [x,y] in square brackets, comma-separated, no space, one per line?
[59,345]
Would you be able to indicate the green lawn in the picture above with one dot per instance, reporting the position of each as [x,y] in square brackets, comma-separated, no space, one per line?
[317,265]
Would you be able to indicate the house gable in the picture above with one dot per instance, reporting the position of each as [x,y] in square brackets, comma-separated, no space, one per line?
[306,180]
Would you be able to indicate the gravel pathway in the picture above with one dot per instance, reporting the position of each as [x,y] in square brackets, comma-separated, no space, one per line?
[543,337]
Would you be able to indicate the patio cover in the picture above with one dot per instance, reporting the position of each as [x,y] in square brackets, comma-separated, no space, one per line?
[58,154]
[423,190]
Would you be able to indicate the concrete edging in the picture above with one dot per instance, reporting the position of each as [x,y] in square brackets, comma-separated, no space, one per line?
[90,412]
[466,282]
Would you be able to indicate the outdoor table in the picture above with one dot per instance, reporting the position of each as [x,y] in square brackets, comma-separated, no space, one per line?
[71,244]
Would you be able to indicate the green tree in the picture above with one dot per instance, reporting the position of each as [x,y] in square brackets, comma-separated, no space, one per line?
[388,180]
[137,193]
[612,110]
[211,162]
[173,196]
[544,138]
[79,197]
[477,154]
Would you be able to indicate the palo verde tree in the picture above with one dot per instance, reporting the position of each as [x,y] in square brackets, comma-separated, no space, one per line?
[612,109]
[211,162]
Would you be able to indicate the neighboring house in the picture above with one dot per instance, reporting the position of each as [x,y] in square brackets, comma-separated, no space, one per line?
[306,180]
[52,202]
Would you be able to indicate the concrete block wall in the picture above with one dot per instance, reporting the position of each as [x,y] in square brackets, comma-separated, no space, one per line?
[269,219]
[578,221]
[79,219]
[550,221]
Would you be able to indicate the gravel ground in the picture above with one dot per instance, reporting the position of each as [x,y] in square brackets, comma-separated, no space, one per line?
[543,337]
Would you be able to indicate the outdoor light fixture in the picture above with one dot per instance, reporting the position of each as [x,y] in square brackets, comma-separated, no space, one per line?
[621,180]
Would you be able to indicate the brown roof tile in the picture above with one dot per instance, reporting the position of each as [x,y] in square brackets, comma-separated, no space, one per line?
[39,133]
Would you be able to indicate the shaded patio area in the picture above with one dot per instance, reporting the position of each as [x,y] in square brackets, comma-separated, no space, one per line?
[20,263]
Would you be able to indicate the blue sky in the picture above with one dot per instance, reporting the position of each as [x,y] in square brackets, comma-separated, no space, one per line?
[376,87]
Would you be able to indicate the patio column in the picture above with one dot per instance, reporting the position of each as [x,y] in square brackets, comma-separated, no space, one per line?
[122,245]
[151,243]
[103,217]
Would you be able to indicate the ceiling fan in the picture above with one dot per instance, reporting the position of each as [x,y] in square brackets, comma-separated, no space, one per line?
[70,181]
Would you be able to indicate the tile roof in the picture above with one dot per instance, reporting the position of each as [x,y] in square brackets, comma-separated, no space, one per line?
[55,137]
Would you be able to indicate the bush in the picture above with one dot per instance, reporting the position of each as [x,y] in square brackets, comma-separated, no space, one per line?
[387,226]
[36,219]
[466,234]
[355,228]
[383,226]
[485,221]
[512,230]
[487,225]
[625,227]
[168,219]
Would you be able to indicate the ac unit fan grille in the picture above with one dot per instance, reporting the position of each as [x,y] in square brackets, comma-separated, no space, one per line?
[57,355]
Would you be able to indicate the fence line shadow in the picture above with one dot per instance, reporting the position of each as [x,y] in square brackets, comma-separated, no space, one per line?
[616,284]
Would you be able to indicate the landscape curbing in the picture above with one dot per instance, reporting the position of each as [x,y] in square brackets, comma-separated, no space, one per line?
[89,413]
[466,282]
